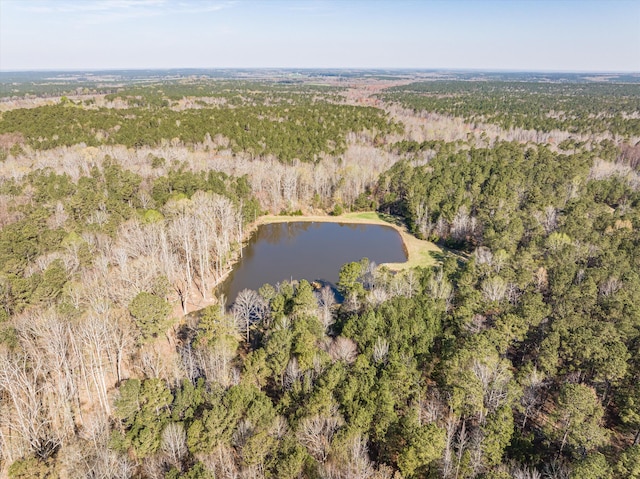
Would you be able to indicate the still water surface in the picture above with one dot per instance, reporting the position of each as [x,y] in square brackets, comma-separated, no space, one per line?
[311,251]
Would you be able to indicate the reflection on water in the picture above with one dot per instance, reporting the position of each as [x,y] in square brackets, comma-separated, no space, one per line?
[308,250]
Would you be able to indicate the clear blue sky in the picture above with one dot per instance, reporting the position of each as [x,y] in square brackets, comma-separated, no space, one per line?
[558,35]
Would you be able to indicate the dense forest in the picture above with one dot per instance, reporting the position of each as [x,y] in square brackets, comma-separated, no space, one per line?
[123,206]
[573,107]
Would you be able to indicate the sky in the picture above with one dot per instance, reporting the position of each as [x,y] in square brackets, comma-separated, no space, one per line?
[531,35]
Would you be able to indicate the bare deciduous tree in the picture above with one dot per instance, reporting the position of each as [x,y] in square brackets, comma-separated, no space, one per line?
[494,288]
[292,373]
[377,296]
[174,443]
[26,418]
[610,286]
[464,227]
[95,342]
[216,363]
[548,218]
[316,433]
[351,463]
[524,472]
[461,444]
[248,308]
[221,462]
[423,220]
[343,349]
[494,376]
[556,469]
[531,399]
[180,231]
[439,287]
[380,350]
[326,301]
[51,337]
[448,461]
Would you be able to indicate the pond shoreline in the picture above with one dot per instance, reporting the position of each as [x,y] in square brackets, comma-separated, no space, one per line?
[420,253]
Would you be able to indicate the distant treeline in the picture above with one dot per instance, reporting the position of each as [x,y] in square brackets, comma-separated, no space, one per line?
[573,107]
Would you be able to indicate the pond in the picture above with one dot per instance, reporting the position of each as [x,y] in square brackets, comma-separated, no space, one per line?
[309,250]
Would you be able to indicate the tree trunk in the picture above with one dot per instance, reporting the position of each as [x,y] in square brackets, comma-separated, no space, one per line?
[564,437]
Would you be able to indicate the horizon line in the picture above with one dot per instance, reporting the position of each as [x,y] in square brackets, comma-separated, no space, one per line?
[445,69]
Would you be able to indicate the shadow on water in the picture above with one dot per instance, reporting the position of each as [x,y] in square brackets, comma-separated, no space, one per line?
[319,284]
